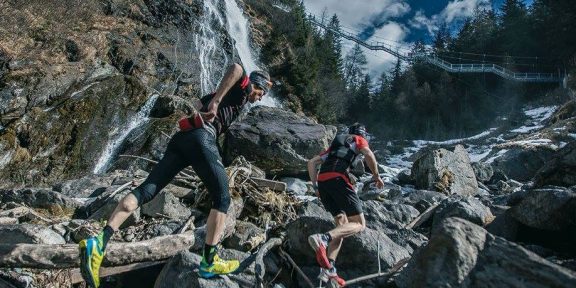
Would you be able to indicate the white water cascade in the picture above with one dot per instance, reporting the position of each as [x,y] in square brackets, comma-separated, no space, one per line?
[117,137]
[238,30]
[208,49]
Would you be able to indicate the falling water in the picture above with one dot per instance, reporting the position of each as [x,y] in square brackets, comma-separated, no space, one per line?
[116,139]
[209,51]
[238,30]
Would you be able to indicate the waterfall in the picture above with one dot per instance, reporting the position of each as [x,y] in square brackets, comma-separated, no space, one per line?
[239,30]
[208,50]
[116,139]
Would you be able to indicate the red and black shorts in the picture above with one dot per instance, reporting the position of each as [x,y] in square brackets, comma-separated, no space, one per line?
[338,196]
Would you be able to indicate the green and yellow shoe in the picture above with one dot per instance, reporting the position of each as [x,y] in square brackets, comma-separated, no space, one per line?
[91,256]
[218,267]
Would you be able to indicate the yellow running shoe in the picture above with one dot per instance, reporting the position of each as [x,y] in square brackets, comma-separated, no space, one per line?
[218,267]
[91,256]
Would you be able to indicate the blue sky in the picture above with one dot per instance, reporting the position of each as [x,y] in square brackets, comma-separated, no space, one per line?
[398,23]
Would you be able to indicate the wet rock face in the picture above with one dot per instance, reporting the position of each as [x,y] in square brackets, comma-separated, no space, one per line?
[561,170]
[445,171]
[278,141]
[462,254]
[76,75]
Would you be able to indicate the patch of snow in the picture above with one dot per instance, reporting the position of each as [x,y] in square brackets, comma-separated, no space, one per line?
[562,145]
[421,143]
[573,135]
[498,155]
[533,143]
[541,113]
[526,129]
[559,129]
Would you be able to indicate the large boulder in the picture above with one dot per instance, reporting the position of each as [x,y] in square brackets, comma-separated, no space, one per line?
[561,170]
[462,254]
[358,254]
[29,234]
[468,208]
[522,163]
[166,204]
[445,171]
[548,209]
[387,214]
[180,271]
[278,141]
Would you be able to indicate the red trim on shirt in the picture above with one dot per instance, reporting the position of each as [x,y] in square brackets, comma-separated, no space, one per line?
[331,175]
[245,82]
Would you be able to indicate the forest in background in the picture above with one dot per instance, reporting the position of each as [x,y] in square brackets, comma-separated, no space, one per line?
[418,100]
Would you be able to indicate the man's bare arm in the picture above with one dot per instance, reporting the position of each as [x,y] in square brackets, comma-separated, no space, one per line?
[373,165]
[233,74]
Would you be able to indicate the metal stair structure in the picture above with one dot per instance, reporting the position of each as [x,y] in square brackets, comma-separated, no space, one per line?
[443,64]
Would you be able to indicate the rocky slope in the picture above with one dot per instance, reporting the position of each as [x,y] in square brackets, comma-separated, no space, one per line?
[74,77]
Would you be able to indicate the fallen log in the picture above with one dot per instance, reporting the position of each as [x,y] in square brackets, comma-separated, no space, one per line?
[274,185]
[45,256]
[295,266]
[76,277]
[422,217]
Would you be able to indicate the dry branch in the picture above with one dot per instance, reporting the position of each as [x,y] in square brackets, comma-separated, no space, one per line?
[388,273]
[295,266]
[422,217]
[260,267]
[47,256]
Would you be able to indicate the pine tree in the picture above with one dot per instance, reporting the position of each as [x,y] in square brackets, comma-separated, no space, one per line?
[354,67]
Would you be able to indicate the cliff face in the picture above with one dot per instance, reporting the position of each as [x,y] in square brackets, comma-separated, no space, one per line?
[72,76]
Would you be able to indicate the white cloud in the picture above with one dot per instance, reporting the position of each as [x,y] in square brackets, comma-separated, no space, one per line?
[454,11]
[358,14]
[460,9]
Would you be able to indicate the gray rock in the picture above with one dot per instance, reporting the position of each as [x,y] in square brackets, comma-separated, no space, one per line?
[404,177]
[314,209]
[246,237]
[561,170]
[482,171]
[87,186]
[468,208]
[295,186]
[421,199]
[407,238]
[370,192]
[37,198]
[358,253]
[278,141]
[386,214]
[29,234]
[462,254]
[445,171]
[522,163]
[547,209]
[181,271]
[166,204]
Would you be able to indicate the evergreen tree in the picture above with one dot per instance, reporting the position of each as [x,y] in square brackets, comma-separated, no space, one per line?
[354,67]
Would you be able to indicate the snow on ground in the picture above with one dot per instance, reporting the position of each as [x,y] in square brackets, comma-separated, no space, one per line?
[478,152]
[537,116]
[573,135]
